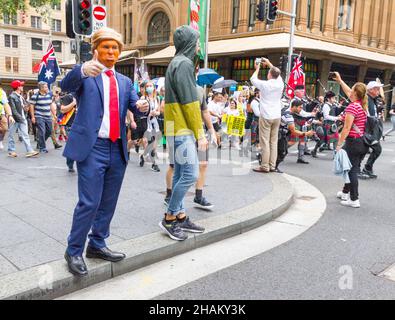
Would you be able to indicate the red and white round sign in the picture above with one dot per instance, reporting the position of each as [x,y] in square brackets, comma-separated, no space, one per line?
[99,13]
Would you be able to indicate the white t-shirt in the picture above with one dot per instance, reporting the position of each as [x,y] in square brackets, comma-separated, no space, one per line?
[215,108]
[271,93]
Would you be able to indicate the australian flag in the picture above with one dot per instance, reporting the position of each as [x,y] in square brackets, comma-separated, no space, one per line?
[49,68]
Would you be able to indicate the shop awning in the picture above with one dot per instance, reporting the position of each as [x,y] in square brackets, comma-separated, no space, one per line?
[127,54]
[276,41]
[124,55]
[69,64]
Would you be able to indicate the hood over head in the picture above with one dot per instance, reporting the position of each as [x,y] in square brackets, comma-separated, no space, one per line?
[185,39]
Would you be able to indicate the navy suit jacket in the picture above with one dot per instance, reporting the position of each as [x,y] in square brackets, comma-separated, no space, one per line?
[90,100]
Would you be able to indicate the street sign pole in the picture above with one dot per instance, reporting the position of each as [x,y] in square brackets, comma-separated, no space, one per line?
[291,38]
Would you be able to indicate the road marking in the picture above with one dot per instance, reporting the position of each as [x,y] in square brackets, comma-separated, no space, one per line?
[48,167]
[167,275]
[388,273]
[388,150]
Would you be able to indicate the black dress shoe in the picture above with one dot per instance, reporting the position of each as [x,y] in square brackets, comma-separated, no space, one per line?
[302,161]
[76,265]
[104,254]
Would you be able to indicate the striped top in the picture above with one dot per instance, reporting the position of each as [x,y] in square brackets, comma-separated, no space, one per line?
[42,105]
[360,117]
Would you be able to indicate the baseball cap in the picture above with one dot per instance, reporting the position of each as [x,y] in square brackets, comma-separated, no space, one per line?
[374,84]
[16,84]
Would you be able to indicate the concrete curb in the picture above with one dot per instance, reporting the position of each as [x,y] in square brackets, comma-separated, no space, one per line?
[53,280]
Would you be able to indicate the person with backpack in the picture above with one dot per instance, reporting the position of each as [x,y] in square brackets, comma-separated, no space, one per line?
[351,138]
[373,101]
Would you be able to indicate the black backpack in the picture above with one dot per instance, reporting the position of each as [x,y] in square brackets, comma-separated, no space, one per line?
[373,131]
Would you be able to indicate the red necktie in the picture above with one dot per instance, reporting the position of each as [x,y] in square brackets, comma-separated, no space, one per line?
[114,109]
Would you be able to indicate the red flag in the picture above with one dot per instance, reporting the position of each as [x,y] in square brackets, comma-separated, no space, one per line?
[296,77]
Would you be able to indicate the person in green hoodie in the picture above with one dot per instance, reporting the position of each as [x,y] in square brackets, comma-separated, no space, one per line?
[183,127]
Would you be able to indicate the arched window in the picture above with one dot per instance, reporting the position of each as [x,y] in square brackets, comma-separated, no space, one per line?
[159,29]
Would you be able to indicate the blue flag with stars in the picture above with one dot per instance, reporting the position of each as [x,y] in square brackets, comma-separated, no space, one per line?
[49,68]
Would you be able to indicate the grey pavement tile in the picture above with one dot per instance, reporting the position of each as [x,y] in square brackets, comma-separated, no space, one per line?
[6,267]
[14,231]
[54,224]
[33,253]
[30,207]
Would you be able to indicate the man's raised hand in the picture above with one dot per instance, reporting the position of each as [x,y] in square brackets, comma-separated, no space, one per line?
[93,67]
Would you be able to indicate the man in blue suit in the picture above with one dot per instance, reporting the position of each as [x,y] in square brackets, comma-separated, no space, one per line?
[97,142]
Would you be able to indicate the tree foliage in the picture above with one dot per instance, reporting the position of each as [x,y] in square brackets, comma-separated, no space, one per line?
[13,6]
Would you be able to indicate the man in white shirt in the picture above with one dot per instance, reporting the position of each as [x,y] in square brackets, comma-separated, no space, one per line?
[270,114]
[97,142]
[215,107]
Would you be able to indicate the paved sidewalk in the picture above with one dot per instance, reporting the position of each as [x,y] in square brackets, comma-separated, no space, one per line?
[38,196]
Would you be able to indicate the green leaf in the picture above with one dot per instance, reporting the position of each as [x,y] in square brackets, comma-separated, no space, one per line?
[13,6]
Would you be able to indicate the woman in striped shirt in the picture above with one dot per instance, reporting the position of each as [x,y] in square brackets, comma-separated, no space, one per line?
[351,138]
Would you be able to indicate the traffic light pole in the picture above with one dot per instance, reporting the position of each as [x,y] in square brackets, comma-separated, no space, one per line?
[292,35]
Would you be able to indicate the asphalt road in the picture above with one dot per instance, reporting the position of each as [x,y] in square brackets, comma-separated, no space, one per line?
[338,258]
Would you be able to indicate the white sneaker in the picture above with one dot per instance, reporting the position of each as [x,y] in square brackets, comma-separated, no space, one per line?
[343,196]
[1,146]
[350,203]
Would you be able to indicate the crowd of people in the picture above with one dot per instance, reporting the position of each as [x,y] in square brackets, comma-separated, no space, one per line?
[40,113]
[102,119]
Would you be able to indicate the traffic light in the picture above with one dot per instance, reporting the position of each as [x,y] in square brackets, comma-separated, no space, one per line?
[283,62]
[260,11]
[272,10]
[82,17]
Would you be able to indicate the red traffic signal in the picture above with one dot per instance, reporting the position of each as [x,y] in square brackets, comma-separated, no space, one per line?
[82,17]
[272,10]
[85,4]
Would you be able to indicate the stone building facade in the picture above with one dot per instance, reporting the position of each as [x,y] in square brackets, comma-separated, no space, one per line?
[24,38]
[355,37]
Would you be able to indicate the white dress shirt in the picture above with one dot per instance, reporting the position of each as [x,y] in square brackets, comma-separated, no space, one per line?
[326,109]
[255,106]
[104,131]
[271,93]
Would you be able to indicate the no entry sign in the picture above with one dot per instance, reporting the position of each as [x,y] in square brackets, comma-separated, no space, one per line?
[99,13]
[99,17]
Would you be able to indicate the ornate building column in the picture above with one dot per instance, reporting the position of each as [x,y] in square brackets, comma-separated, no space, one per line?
[302,13]
[391,22]
[386,80]
[374,27]
[324,67]
[364,37]
[330,17]
[316,16]
[362,70]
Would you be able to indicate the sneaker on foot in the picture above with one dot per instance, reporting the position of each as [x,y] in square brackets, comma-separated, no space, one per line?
[343,196]
[166,201]
[189,226]
[173,230]
[71,170]
[142,161]
[43,151]
[32,154]
[369,173]
[350,203]
[57,146]
[203,203]
[302,161]
[1,146]
[155,168]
